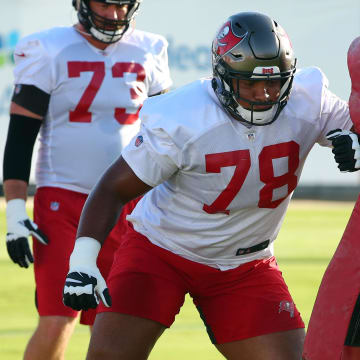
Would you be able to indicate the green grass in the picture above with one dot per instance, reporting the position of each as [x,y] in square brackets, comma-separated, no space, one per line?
[305,244]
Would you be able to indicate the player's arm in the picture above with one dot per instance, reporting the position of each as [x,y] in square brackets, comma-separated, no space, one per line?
[116,187]
[161,78]
[16,177]
[84,285]
[28,107]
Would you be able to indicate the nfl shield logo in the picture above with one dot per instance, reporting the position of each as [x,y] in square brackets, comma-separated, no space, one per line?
[139,140]
[54,206]
[17,89]
[250,135]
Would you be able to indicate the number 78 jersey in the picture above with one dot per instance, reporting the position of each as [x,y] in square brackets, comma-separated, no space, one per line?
[95,98]
[222,189]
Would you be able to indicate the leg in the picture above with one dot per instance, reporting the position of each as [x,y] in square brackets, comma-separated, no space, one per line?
[56,212]
[285,345]
[258,319]
[147,292]
[50,339]
[123,337]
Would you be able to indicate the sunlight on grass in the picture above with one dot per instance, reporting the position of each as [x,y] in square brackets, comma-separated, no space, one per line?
[305,244]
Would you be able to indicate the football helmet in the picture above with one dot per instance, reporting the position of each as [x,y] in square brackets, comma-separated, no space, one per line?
[251,46]
[103,29]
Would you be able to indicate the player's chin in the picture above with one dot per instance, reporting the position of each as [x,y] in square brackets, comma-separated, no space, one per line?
[259,108]
[113,27]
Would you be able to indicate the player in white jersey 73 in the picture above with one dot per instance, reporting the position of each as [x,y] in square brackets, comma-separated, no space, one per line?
[82,87]
[226,154]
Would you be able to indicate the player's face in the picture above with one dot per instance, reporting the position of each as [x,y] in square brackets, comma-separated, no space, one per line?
[257,91]
[109,11]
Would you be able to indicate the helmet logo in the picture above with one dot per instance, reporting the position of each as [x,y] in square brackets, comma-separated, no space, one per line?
[223,32]
[268,71]
[226,39]
[259,71]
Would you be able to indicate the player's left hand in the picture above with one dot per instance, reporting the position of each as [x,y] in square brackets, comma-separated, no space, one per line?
[19,228]
[346,149]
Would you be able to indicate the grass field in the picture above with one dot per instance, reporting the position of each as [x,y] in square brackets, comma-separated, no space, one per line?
[306,243]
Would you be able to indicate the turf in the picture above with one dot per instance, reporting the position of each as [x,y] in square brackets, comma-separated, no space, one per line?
[306,242]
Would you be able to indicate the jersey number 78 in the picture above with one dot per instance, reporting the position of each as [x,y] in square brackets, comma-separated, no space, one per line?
[242,162]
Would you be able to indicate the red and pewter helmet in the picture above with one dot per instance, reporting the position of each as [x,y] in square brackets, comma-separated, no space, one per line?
[251,46]
[98,26]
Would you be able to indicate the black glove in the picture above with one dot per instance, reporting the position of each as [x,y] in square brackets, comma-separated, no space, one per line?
[19,228]
[346,149]
[82,291]
[84,284]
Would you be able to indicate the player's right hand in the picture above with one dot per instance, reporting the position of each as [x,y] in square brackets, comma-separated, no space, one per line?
[19,228]
[84,284]
[84,288]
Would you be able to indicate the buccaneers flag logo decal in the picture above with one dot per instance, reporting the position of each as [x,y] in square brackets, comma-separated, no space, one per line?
[226,39]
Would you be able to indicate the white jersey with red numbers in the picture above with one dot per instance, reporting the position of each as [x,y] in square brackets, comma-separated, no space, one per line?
[95,98]
[224,188]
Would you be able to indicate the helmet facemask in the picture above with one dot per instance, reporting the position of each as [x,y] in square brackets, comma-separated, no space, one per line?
[252,47]
[102,29]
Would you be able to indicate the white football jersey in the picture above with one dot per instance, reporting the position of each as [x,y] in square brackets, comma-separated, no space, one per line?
[220,187]
[95,98]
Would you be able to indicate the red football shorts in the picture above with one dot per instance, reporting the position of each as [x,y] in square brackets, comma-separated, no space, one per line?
[250,300]
[57,212]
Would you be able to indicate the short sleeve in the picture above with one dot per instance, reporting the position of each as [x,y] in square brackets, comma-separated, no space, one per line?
[334,115]
[160,79]
[32,65]
[152,155]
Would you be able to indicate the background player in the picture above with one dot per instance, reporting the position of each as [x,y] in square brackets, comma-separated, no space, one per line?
[226,154]
[83,87]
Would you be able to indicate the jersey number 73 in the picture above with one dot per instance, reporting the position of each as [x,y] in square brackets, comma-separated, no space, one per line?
[81,112]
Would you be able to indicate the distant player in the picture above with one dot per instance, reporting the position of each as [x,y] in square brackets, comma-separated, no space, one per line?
[218,160]
[82,87]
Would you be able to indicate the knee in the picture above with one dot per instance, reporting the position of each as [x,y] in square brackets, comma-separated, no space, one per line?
[97,352]
[55,327]
[121,351]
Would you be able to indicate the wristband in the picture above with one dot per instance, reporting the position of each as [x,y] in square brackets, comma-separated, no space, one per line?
[85,252]
[16,210]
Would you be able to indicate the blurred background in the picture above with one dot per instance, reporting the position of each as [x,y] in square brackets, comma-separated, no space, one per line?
[321,32]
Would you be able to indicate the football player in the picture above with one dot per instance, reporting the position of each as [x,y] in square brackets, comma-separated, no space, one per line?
[226,155]
[82,87]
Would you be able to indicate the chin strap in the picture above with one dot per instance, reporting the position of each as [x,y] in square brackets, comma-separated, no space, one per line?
[224,96]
